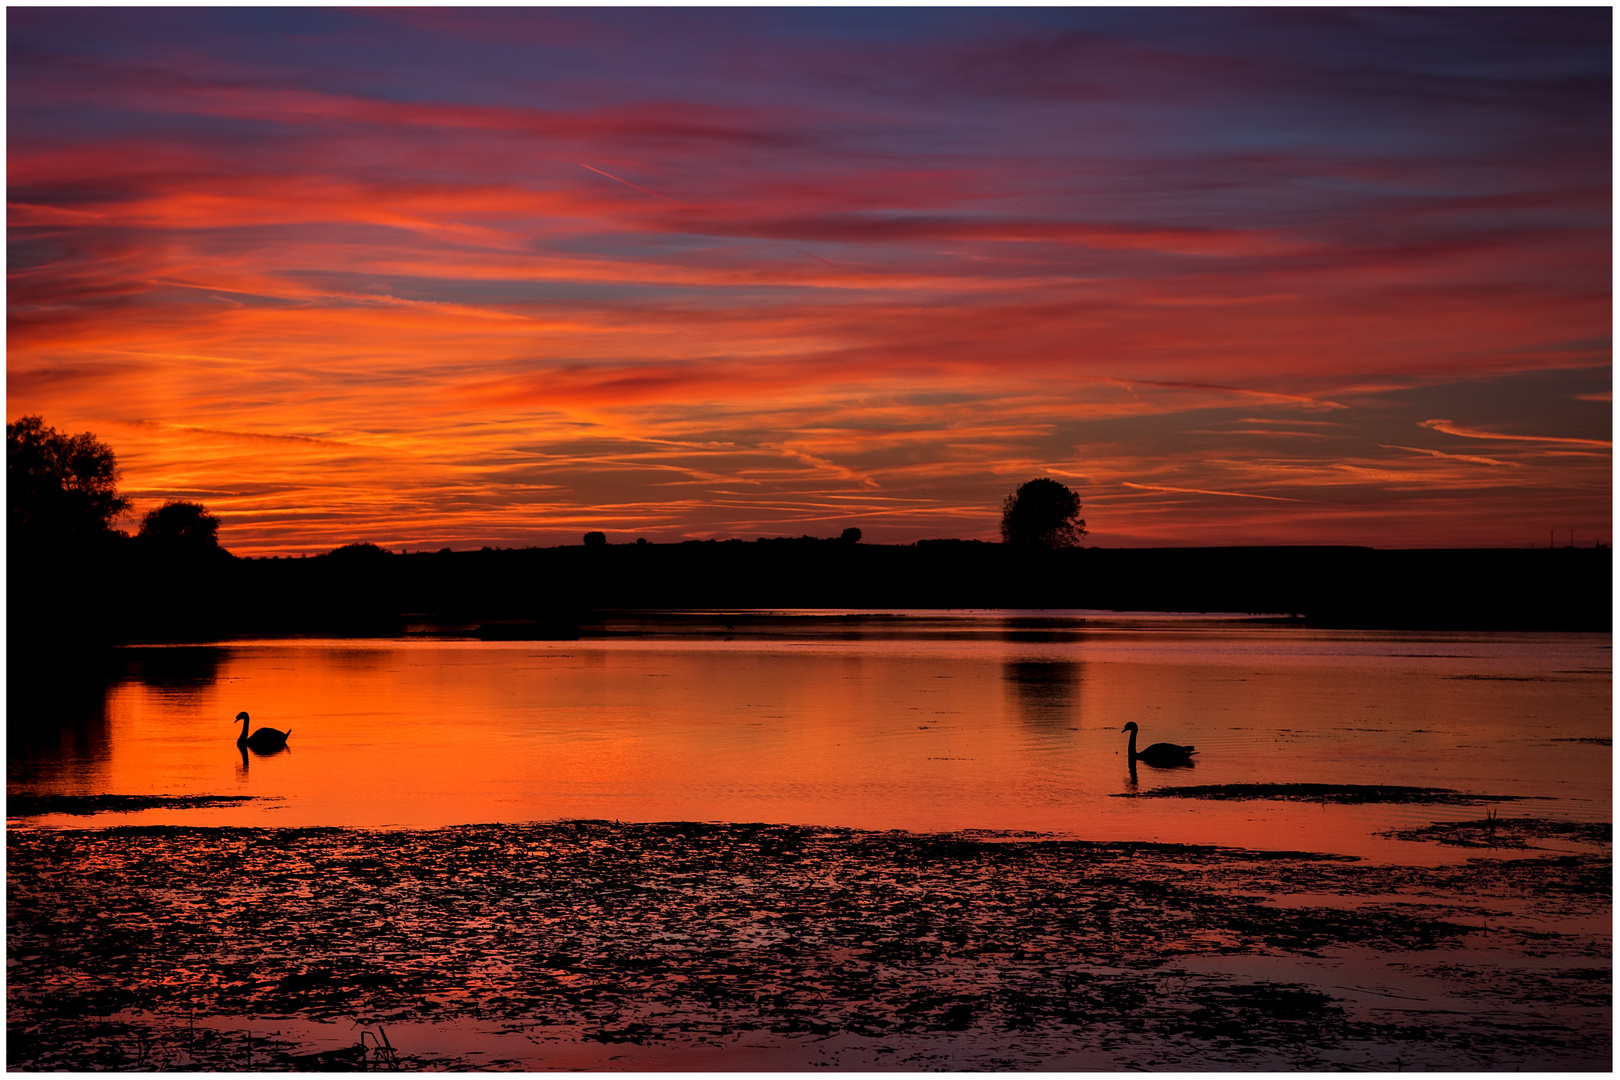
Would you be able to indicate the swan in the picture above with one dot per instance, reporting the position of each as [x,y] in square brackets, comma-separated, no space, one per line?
[263,741]
[1161,754]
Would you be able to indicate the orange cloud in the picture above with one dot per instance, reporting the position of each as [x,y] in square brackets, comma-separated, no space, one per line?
[798,286]
[1449,428]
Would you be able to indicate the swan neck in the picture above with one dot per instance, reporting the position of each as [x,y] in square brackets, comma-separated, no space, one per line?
[242,738]
[1131,750]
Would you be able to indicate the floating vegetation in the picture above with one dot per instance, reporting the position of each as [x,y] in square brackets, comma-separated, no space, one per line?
[1331,793]
[1495,832]
[815,947]
[34,805]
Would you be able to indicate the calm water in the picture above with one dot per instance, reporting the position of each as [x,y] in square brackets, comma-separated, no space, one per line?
[913,721]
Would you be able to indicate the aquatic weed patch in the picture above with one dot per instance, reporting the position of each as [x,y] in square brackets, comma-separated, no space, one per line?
[1350,794]
[962,950]
[1515,833]
[36,805]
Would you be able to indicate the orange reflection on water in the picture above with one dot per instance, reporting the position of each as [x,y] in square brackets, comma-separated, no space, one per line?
[921,733]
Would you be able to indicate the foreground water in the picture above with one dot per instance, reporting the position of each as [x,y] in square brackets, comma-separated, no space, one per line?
[1043,907]
[912,721]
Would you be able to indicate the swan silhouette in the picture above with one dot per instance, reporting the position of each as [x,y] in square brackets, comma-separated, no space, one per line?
[1162,755]
[264,741]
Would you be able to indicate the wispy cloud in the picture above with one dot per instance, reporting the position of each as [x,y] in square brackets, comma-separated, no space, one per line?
[1449,428]
[696,274]
[1454,457]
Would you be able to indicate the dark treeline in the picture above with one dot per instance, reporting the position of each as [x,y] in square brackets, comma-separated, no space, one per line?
[122,591]
[75,579]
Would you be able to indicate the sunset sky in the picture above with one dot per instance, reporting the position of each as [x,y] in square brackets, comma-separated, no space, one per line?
[452,277]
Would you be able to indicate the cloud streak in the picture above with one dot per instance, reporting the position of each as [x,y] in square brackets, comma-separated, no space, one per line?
[691,274]
[1449,428]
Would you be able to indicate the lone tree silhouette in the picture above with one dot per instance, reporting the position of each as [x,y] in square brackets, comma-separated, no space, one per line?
[181,525]
[1043,514]
[59,485]
[357,553]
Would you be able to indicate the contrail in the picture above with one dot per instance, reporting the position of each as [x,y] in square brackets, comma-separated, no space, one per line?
[1201,491]
[627,183]
[683,206]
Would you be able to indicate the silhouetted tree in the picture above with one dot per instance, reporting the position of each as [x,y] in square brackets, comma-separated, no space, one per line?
[596,539]
[357,552]
[1042,513]
[850,536]
[178,525]
[59,485]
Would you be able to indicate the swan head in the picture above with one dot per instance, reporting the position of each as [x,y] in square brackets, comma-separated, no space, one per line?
[240,716]
[1131,726]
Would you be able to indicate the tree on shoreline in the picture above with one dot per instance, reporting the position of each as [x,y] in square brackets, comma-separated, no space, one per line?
[179,526]
[359,552]
[1042,514]
[59,485]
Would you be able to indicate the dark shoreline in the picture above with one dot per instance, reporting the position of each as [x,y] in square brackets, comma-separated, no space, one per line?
[119,593]
[614,946]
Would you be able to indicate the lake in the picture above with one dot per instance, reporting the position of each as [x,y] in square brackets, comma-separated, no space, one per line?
[919,721]
[840,840]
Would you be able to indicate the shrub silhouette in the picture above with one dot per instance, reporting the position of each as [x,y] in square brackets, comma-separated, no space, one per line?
[59,485]
[1042,514]
[596,539]
[850,536]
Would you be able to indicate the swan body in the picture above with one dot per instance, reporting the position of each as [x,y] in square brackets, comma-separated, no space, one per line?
[263,741]
[1162,755]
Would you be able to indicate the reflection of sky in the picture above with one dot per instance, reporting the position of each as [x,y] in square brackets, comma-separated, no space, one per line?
[969,722]
[432,277]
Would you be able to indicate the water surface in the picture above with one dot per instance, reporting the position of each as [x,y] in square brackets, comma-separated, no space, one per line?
[914,721]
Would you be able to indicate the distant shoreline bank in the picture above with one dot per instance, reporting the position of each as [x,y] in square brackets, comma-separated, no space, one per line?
[124,596]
